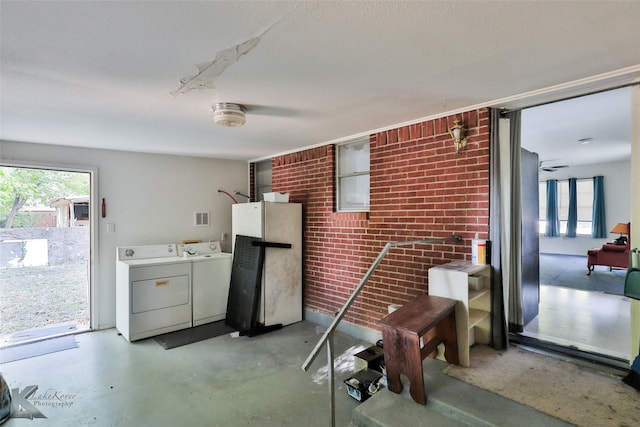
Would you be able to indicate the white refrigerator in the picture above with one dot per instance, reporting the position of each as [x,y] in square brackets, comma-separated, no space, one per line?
[275,222]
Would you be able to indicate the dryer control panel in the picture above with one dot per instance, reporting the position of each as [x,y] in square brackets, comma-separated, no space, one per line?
[193,249]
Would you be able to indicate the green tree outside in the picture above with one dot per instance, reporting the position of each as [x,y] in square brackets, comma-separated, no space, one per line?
[35,187]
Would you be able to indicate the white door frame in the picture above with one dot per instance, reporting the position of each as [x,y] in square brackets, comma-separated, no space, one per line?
[93,223]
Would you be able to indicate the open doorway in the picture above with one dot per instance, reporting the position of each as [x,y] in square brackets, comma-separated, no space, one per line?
[581,138]
[45,253]
[263,179]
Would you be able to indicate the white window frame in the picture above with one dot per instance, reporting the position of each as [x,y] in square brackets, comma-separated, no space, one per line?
[352,174]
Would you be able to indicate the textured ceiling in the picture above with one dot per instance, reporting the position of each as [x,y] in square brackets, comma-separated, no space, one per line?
[119,75]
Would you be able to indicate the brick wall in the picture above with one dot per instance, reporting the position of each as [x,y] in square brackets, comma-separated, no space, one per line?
[420,189]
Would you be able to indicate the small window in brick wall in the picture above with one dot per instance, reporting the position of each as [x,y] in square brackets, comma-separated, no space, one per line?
[352,175]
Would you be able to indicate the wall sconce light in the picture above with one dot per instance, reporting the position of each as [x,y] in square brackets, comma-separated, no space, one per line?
[457,133]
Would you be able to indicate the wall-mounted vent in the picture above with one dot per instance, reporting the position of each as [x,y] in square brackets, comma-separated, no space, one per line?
[201,219]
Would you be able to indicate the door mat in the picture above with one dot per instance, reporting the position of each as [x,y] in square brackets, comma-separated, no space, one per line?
[191,335]
[556,387]
[38,348]
[48,331]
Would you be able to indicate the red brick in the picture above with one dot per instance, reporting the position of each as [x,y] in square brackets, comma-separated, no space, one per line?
[420,188]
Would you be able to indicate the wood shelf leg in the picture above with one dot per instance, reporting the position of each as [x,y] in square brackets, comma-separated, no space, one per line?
[414,369]
[450,339]
[393,359]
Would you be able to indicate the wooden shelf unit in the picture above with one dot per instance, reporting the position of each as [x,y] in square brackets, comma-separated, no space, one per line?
[473,311]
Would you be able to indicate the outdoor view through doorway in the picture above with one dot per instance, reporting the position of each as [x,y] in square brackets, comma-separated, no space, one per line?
[45,276]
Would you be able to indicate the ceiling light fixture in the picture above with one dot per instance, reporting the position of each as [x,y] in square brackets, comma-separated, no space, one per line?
[457,133]
[230,115]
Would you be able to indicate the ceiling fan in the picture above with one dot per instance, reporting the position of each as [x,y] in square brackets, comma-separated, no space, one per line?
[234,115]
[551,168]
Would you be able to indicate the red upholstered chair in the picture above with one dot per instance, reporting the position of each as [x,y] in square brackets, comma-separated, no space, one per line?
[610,254]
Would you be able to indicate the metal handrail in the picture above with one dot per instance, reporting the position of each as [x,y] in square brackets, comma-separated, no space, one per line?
[327,337]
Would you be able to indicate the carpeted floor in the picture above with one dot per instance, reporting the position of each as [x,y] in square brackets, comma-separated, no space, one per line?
[570,271]
[556,387]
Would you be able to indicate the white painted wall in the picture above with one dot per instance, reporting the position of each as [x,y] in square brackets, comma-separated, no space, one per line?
[150,198]
[617,185]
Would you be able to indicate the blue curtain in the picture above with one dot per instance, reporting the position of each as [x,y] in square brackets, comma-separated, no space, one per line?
[572,219]
[553,223]
[599,221]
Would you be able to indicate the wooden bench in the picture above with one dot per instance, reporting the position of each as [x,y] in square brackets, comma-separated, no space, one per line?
[429,319]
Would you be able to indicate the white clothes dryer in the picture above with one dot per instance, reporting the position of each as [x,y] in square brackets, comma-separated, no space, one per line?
[153,291]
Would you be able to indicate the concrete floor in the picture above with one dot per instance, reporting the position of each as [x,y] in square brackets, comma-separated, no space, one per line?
[227,381]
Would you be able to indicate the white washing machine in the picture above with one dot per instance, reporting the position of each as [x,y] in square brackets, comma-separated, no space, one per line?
[153,291]
[210,277]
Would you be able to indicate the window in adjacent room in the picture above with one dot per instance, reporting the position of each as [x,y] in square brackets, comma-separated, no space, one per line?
[352,175]
[263,179]
[584,193]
